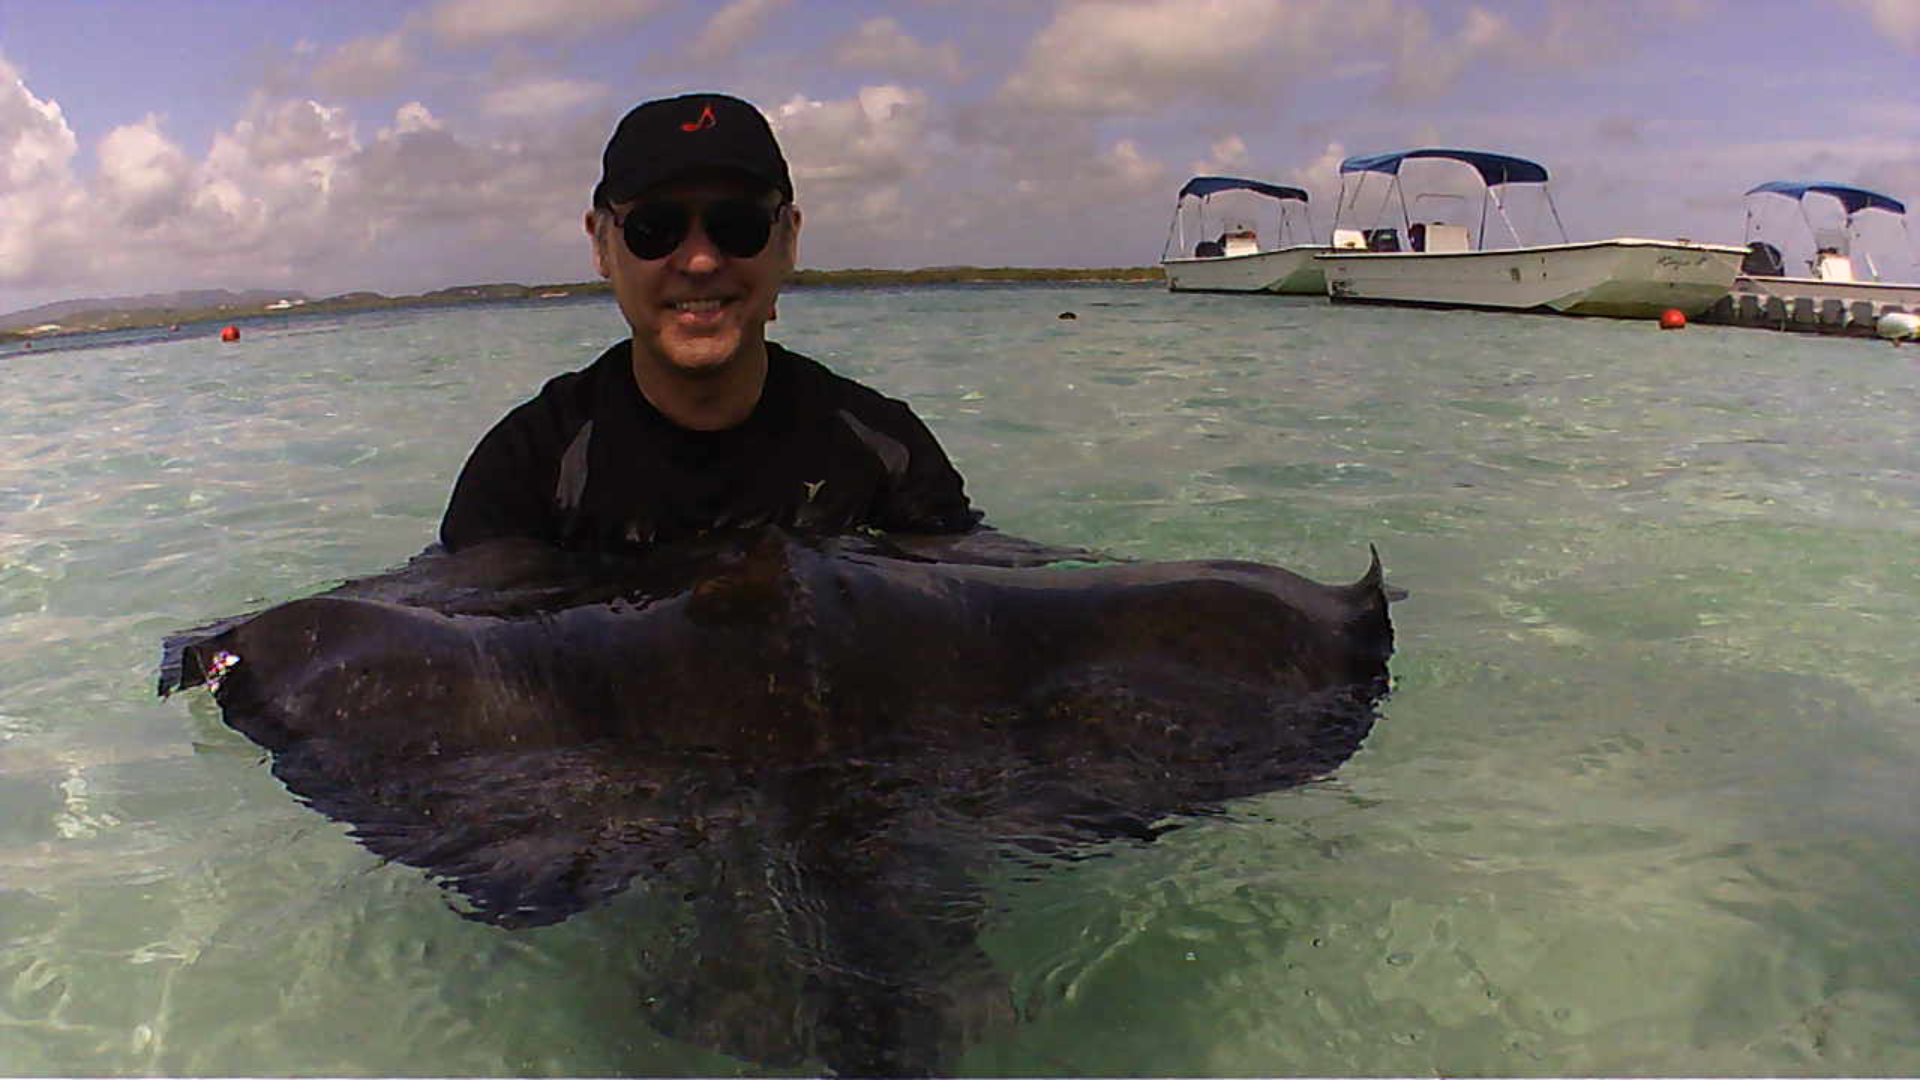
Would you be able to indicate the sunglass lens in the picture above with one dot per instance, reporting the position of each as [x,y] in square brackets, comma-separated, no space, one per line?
[739,228]
[653,231]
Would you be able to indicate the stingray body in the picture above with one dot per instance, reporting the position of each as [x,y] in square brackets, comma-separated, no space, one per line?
[863,718]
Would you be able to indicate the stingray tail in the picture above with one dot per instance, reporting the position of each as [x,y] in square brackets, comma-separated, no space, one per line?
[1374,578]
[1369,599]
[1375,581]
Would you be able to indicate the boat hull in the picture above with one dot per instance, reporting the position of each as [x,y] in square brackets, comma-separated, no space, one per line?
[1620,278]
[1291,270]
[1814,304]
[1885,296]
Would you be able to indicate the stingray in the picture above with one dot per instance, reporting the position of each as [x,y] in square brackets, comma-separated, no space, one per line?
[817,742]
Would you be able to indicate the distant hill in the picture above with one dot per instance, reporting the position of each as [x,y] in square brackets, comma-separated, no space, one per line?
[190,300]
[162,309]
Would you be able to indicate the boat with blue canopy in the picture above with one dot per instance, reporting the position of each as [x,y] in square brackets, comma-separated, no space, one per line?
[1228,256]
[1436,241]
[1842,243]
[1833,241]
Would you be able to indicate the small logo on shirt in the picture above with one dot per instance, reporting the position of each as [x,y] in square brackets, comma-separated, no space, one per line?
[813,488]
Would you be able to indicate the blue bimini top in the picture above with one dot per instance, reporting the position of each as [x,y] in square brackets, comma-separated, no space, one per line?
[1202,186]
[1855,199]
[1494,169]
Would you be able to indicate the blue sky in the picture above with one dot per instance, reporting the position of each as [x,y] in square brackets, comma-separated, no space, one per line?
[400,147]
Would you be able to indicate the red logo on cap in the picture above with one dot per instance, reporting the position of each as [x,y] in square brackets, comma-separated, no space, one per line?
[706,120]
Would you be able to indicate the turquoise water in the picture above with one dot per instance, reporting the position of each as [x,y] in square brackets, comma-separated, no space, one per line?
[1642,801]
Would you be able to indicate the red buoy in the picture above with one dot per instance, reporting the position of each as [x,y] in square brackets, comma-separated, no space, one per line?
[231,333]
[1673,319]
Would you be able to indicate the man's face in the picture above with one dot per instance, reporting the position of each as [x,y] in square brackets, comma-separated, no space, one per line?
[695,308]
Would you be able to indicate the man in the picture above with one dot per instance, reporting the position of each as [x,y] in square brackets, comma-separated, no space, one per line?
[698,422]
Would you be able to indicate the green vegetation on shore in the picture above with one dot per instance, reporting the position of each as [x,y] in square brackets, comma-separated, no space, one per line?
[138,318]
[973,275]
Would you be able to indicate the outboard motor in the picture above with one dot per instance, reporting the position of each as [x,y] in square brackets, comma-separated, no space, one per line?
[1383,239]
[1764,260]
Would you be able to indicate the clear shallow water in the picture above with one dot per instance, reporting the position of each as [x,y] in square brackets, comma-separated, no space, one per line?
[1642,800]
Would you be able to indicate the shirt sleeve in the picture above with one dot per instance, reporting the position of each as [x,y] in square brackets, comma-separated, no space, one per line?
[930,496]
[505,488]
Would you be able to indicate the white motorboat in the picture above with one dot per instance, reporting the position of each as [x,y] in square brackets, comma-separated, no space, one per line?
[1232,259]
[1832,272]
[1447,263]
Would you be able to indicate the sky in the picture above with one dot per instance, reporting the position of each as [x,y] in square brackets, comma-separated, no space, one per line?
[373,144]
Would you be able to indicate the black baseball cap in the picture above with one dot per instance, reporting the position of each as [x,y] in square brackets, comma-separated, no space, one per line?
[660,140]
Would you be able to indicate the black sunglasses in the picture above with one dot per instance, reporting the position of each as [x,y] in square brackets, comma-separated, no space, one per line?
[738,227]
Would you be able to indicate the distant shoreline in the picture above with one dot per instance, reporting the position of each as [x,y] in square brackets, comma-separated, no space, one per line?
[91,322]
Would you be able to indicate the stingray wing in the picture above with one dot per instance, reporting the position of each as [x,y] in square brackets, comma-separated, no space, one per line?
[527,838]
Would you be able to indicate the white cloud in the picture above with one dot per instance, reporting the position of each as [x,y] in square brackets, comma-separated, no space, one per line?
[1121,57]
[1429,65]
[365,67]
[877,137]
[857,164]
[1135,57]
[143,177]
[1564,35]
[1897,19]
[1129,166]
[1227,155]
[42,145]
[287,195]
[467,23]
[263,198]
[883,46]
[411,118]
[541,97]
[731,27]
[40,205]
[1320,179]
[1323,172]
[300,137]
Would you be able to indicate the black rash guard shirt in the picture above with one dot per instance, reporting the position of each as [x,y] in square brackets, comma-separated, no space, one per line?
[590,464]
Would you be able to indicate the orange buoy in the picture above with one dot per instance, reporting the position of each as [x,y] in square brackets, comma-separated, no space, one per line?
[1673,319]
[231,333]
